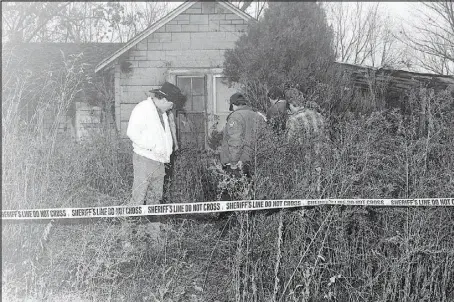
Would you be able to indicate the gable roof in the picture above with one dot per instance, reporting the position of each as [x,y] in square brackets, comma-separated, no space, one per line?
[163,21]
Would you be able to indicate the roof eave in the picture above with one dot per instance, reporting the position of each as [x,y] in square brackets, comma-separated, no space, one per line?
[137,39]
[245,16]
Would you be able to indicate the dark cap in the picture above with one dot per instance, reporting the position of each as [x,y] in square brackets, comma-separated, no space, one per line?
[168,90]
[238,99]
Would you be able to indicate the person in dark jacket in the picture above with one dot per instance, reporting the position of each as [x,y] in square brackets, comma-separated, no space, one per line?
[240,137]
[240,133]
[276,115]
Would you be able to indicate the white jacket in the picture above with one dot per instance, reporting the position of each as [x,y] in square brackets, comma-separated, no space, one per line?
[149,138]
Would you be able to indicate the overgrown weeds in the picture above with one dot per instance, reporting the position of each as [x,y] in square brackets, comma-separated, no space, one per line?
[314,254]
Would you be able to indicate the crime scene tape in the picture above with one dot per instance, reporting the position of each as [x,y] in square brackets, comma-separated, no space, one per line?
[213,207]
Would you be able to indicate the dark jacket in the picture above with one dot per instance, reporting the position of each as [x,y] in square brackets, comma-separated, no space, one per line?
[241,132]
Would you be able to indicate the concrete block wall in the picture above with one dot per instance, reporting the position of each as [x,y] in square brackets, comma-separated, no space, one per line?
[195,39]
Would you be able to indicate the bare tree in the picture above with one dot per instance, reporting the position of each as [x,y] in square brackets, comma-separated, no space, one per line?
[254,8]
[79,22]
[24,21]
[432,36]
[137,16]
[363,34]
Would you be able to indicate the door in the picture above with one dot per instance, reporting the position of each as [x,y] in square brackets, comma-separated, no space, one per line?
[191,122]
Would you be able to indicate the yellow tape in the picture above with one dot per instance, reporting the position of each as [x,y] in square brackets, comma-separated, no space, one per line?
[213,207]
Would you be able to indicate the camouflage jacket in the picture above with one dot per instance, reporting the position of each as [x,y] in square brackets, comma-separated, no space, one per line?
[241,132]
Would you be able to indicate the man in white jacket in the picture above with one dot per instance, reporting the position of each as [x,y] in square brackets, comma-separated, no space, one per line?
[153,138]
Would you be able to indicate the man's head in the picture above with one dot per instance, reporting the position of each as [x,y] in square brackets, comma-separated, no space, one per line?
[162,103]
[165,96]
[294,96]
[275,93]
[297,101]
[236,100]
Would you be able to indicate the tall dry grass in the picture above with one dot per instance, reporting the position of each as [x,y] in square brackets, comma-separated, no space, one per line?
[45,168]
[315,254]
[355,253]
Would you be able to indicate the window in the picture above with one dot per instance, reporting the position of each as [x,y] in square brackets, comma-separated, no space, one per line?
[191,122]
[194,90]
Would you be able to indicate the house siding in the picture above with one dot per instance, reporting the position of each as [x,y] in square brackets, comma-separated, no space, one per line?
[195,39]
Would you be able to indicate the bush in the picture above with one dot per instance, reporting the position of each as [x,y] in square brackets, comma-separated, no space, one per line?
[291,44]
[346,254]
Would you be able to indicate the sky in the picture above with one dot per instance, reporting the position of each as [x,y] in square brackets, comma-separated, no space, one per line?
[401,11]
[397,9]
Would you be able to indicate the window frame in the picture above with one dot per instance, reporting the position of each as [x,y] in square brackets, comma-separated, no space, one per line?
[205,101]
[215,109]
[209,73]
